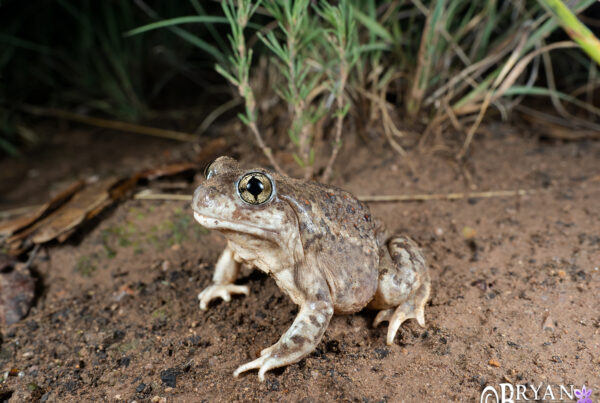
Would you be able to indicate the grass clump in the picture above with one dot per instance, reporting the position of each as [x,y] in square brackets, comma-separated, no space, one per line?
[67,55]
[409,70]
[435,66]
[314,49]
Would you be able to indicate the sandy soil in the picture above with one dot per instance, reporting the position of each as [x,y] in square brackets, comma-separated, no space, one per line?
[515,287]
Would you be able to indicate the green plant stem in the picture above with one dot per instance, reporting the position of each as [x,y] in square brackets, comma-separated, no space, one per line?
[238,18]
[298,106]
[337,145]
[574,28]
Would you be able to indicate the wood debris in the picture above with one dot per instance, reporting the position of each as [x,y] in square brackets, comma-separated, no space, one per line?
[80,202]
[17,289]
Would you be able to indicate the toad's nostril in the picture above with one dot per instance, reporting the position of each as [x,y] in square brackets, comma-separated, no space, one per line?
[198,194]
[204,196]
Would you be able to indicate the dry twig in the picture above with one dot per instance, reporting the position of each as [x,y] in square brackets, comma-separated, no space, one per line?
[148,195]
[108,124]
[446,196]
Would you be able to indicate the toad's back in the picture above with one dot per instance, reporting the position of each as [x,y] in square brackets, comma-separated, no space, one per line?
[338,236]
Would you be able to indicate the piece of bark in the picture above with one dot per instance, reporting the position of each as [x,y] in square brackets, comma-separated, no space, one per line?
[17,247]
[73,213]
[122,188]
[9,228]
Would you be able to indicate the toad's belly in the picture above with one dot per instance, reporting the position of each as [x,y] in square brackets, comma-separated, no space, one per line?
[352,291]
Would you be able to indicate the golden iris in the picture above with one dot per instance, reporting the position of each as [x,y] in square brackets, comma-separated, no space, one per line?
[255,188]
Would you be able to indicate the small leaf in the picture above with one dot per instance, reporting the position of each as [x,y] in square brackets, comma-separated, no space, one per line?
[298,160]
[244,119]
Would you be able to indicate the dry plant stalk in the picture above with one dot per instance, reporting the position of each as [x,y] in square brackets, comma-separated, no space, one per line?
[238,17]
[416,92]
[446,196]
[389,128]
[246,92]
[339,99]
[148,195]
[108,124]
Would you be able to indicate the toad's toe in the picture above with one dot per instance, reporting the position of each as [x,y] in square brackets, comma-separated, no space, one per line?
[223,291]
[402,313]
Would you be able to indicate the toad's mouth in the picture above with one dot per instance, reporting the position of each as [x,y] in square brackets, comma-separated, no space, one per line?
[220,224]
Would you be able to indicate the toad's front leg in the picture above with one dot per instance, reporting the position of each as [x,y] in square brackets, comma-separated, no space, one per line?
[304,334]
[226,272]
[299,340]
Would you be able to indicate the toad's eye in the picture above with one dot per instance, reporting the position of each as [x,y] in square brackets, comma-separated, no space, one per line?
[255,188]
[207,171]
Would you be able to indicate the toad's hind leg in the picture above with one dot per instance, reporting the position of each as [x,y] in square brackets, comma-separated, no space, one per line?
[403,287]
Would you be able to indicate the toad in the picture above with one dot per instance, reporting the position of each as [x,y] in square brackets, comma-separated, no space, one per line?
[320,245]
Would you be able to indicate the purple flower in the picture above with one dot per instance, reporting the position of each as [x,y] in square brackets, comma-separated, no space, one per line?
[583,395]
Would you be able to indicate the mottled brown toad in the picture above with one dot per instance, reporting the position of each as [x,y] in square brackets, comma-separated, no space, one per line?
[320,245]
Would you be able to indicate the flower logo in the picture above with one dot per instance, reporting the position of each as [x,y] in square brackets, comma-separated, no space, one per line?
[583,395]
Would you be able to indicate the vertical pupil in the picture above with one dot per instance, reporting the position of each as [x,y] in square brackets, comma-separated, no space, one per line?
[254,187]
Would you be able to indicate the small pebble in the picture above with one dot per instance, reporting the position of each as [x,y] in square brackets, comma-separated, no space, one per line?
[469,233]
[165,267]
[124,362]
[548,324]
[169,377]
[494,363]
[381,353]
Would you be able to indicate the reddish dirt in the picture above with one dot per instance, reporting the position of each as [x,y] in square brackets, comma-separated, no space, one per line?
[515,286]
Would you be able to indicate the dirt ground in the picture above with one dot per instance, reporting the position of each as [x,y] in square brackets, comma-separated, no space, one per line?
[515,284]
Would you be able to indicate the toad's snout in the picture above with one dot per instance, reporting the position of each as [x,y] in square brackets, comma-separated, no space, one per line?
[204,197]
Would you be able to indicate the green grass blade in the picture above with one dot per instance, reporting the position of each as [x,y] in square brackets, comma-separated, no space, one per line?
[372,25]
[541,91]
[190,19]
[574,28]
[24,44]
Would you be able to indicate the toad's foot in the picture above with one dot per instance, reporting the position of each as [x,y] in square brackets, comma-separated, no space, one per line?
[222,291]
[395,317]
[278,355]
[296,343]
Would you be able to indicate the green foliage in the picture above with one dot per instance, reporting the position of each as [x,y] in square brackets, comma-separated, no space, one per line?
[462,54]
[433,64]
[313,47]
[73,55]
